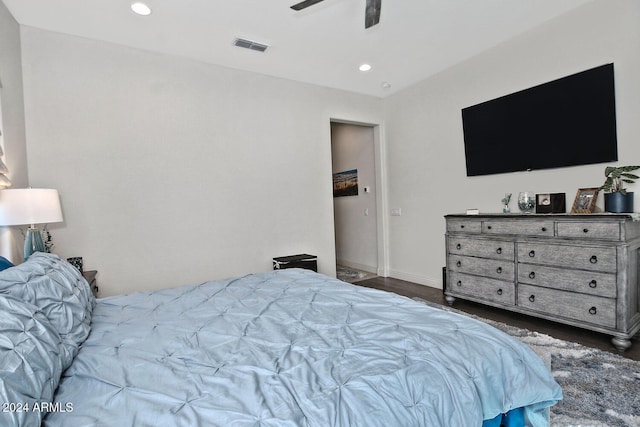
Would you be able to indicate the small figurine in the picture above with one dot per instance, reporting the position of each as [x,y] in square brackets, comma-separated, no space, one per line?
[505,202]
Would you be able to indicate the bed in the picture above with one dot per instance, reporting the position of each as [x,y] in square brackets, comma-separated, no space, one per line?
[283,348]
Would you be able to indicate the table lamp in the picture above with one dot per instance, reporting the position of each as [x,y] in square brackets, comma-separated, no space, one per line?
[30,206]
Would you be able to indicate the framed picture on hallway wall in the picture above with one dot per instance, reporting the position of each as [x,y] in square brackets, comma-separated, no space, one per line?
[345,183]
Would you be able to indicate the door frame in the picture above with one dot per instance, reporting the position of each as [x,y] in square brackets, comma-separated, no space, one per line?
[382,225]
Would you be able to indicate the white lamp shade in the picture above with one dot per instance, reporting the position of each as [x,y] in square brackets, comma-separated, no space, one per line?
[22,206]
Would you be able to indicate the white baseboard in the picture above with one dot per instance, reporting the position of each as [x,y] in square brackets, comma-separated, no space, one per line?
[357,266]
[421,280]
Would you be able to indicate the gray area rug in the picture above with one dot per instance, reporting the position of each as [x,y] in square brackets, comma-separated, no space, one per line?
[599,388]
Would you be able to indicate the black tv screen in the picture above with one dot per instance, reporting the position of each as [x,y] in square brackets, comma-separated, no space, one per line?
[566,122]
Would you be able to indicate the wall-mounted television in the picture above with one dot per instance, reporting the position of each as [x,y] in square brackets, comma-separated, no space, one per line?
[566,122]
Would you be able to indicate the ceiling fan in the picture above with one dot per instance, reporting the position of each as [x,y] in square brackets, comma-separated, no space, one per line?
[371,14]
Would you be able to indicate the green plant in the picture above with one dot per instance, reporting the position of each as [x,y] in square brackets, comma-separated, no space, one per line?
[617,176]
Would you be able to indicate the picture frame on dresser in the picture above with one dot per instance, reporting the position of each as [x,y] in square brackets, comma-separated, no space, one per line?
[585,202]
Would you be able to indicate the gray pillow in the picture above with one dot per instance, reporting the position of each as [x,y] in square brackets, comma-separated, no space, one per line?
[30,362]
[59,291]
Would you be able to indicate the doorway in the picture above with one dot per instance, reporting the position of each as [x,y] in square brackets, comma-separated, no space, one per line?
[356,216]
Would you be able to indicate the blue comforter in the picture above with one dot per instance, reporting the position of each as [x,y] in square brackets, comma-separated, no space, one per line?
[293,348]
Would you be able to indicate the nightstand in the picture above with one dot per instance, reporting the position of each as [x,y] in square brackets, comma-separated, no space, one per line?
[90,277]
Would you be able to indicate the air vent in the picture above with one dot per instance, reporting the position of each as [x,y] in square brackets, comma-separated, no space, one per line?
[248,44]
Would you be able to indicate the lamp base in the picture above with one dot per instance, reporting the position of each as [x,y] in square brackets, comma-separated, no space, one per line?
[32,242]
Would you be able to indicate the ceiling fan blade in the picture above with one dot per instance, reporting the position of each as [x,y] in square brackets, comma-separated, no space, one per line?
[372,13]
[304,4]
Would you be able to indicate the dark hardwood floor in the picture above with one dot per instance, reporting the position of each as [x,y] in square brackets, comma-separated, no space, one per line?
[557,330]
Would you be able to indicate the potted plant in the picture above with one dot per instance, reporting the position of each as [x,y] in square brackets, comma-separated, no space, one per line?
[617,199]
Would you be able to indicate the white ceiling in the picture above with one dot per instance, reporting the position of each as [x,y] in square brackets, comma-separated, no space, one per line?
[322,45]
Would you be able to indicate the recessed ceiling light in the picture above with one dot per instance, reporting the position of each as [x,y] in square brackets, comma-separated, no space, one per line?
[365,67]
[141,8]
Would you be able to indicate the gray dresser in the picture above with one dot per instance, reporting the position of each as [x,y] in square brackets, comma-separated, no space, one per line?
[581,270]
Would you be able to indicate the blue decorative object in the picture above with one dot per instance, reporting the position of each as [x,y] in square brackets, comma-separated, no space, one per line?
[5,263]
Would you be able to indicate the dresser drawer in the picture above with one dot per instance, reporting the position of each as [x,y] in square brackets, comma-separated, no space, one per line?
[464,225]
[497,269]
[586,282]
[583,308]
[482,287]
[497,249]
[521,227]
[590,230]
[580,257]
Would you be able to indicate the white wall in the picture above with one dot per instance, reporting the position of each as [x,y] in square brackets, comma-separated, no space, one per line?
[356,233]
[424,139]
[12,99]
[13,122]
[172,171]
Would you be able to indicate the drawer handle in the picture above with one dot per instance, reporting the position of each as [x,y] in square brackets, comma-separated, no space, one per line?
[489,227]
[532,298]
[462,226]
[532,254]
[499,251]
[458,246]
[593,259]
[593,310]
[532,275]
[459,263]
[544,229]
[499,291]
[593,284]
[459,283]
[499,270]
[585,230]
